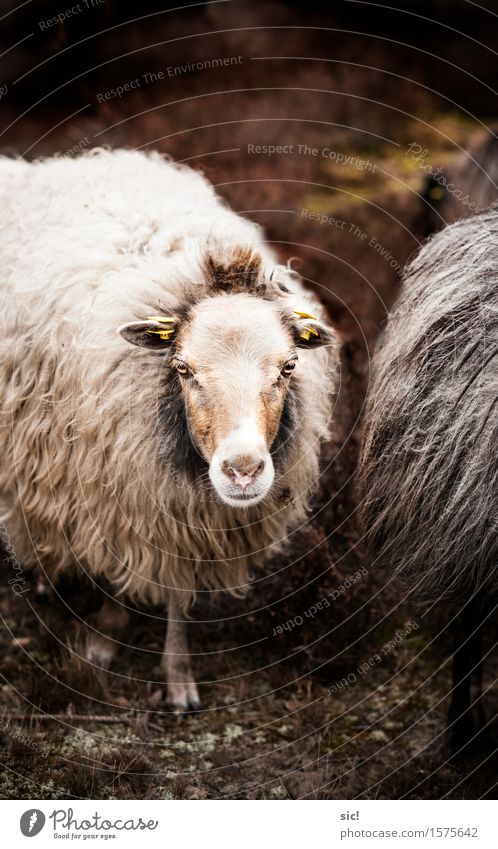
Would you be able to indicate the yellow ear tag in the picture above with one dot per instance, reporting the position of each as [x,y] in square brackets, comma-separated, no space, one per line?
[305,315]
[307,332]
[164,333]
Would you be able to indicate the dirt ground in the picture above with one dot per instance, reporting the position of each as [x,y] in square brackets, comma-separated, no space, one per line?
[326,681]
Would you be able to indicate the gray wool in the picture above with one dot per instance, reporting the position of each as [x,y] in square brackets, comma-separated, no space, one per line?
[428,475]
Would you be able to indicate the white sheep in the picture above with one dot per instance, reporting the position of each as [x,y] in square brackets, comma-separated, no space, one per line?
[176,465]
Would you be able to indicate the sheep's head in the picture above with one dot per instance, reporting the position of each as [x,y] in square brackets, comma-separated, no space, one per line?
[235,360]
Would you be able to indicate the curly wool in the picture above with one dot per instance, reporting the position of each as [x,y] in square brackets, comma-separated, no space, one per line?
[429,469]
[87,245]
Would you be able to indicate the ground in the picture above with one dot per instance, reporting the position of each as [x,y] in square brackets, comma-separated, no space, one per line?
[327,681]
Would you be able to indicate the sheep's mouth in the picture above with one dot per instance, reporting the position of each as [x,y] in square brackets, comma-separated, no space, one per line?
[245,496]
[243,499]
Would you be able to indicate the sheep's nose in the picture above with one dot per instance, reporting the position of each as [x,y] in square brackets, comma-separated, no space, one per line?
[243,470]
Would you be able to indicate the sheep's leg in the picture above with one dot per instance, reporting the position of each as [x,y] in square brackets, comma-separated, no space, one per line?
[103,642]
[460,722]
[43,590]
[467,636]
[477,708]
[182,691]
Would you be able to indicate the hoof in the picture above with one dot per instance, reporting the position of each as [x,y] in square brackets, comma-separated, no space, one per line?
[100,654]
[43,593]
[458,737]
[465,729]
[183,699]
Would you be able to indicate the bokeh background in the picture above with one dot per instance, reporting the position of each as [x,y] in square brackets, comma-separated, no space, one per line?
[351,131]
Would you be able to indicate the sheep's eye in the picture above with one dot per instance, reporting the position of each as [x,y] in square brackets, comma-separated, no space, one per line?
[289,367]
[182,369]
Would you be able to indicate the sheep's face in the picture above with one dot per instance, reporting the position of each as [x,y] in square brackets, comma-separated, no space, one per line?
[236,360]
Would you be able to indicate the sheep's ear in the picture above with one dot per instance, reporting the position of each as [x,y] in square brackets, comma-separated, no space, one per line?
[155,332]
[309,332]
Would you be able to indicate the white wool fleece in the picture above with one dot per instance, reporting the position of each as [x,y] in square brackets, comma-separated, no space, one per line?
[87,245]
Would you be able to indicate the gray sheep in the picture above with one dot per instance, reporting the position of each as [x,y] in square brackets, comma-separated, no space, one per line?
[429,469]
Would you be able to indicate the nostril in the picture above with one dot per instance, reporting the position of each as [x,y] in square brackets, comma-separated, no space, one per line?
[254,470]
[242,473]
[227,469]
